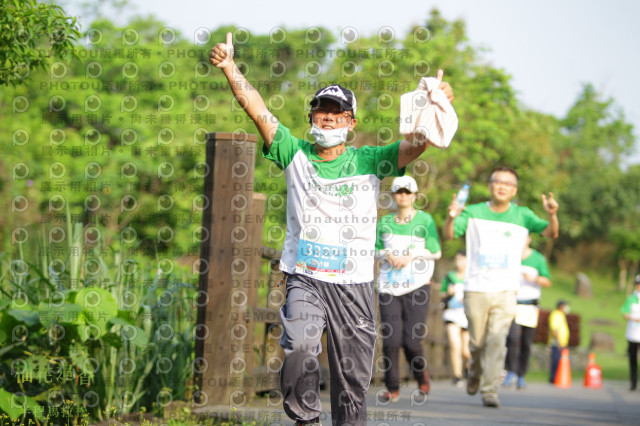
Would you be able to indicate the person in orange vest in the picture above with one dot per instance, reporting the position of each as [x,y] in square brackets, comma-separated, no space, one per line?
[558,335]
[631,312]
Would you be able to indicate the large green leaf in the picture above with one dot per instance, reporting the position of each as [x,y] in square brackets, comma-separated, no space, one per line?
[100,306]
[67,313]
[16,405]
[131,333]
[128,316]
[28,317]
[112,339]
[7,322]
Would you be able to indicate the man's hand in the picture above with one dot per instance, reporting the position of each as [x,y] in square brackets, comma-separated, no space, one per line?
[454,208]
[398,262]
[446,88]
[454,211]
[222,53]
[550,204]
[551,207]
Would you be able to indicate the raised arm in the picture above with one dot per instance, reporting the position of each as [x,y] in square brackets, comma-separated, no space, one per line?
[551,207]
[408,151]
[247,96]
[454,211]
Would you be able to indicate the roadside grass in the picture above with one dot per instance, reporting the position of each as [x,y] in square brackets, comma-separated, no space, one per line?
[600,313]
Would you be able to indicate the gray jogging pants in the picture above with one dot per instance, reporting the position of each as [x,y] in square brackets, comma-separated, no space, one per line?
[347,312]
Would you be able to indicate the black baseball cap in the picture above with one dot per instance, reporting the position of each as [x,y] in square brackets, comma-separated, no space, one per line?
[343,96]
[638,279]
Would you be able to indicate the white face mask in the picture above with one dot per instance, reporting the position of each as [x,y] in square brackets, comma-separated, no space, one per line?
[329,138]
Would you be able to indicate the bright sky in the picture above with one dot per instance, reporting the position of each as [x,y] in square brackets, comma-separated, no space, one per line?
[550,47]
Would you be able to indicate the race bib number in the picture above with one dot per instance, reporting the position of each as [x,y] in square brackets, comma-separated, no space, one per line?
[493,259]
[320,257]
[400,277]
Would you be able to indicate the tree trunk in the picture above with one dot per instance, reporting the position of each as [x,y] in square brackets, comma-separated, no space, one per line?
[632,275]
[622,276]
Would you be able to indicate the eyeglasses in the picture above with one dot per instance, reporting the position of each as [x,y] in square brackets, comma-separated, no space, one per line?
[333,112]
[503,183]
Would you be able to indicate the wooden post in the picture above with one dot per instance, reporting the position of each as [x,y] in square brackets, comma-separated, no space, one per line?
[221,330]
[254,227]
[273,353]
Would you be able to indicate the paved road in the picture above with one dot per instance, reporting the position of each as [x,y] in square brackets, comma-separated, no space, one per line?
[539,404]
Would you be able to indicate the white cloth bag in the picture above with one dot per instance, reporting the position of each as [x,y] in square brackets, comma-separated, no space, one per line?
[426,115]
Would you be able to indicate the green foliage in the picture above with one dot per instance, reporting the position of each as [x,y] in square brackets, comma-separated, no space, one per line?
[595,139]
[105,152]
[601,313]
[93,341]
[126,123]
[30,33]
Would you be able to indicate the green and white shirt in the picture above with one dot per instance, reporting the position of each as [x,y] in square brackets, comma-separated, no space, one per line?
[453,280]
[495,242]
[331,207]
[536,266]
[418,239]
[632,308]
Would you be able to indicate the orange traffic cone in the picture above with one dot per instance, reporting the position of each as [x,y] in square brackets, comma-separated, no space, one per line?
[593,374]
[563,375]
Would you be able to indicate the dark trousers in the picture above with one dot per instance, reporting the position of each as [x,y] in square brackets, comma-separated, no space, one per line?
[519,343]
[555,360]
[632,351]
[404,325]
[347,313]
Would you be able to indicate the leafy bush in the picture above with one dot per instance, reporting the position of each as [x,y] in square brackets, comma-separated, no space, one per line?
[92,336]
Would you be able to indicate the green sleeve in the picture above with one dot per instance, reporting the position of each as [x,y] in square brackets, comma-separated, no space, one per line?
[382,161]
[532,222]
[382,228]
[460,223]
[446,282]
[432,242]
[626,308]
[541,265]
[283,148]
[543,270]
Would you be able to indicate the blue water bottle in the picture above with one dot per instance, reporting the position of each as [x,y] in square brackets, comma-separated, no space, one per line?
[463,195]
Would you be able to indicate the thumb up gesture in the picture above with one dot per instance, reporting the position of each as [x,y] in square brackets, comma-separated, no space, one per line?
[222,53]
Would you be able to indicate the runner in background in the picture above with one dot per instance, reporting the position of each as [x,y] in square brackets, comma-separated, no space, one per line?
[407,244]
[631,312]
[535,275]
[452,291]
[496,233]
[558,336]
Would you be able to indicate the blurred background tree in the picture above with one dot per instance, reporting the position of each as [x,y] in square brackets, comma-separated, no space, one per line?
[31,32]
[126,119]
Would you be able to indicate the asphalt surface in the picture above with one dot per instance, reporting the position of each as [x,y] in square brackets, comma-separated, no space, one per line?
[446,404]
